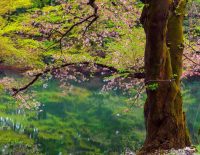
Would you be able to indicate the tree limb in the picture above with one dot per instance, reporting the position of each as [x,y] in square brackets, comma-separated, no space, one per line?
[191,60]
[196,51]
[93,18]
[49,70]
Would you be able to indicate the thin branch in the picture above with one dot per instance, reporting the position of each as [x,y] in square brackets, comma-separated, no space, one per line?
[38,75]
[93,5]
[198,52]
[191,60]
[16,91]
[136,97]
[68,31]
[54,31]
[91,22]
[73,26]
[93,18]
[150,81]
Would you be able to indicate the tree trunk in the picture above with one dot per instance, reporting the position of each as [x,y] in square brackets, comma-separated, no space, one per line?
[164,117]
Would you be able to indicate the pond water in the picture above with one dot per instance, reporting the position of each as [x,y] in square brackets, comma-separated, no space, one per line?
[80,119]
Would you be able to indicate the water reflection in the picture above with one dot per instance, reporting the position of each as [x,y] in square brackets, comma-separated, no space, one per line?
[81,120]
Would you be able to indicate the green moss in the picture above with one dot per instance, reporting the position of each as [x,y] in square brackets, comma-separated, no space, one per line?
[10,6]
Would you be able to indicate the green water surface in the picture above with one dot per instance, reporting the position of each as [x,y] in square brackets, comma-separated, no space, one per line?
[80,119]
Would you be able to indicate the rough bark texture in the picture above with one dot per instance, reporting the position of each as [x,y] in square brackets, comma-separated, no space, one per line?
[164,117]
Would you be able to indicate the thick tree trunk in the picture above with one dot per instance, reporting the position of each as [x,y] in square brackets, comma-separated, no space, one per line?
[175,43]
[164,117]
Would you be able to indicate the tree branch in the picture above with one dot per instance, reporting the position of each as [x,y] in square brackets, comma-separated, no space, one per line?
[38,75]
[93,18]
[196,51]
[191,60]
[16,91]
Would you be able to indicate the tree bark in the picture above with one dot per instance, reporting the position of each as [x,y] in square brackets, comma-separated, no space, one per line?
[164,117]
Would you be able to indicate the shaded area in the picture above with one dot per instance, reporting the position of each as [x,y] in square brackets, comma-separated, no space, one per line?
[191,96]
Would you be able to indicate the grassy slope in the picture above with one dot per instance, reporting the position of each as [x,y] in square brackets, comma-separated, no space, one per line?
[25,27]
